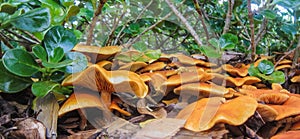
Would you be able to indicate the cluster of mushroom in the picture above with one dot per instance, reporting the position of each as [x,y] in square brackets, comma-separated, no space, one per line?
[210,95]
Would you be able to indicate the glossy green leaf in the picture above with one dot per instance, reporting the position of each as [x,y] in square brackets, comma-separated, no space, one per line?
[253,71]
[214,42]
[210,52]
[265,77]
[42,88]
[278,77]
[72,11]
[11,83]
[269,14]
[56,55]
[289,29]
[56,10]
[228,41]
[64,63]
[33,21]
[58,36]
[8,8]
[20,62]
[266,67]
[40,52]
[140,46]
[153,54]
[79,62]
[66,3]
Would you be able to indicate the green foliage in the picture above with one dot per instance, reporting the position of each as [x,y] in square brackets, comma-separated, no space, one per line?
[265,71]
[56,61]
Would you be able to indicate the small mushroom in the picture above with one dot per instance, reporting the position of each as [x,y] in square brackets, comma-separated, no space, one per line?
[79,100]
[296,79]
[133,66]
[255,93]
[287,135]
[288,108]
[204,89]
[105,64]
[280,67]
[115,106]
[241,70]
[207,112]
[98,53]
[267,113]
[154,67]
[237,81]
[273,98]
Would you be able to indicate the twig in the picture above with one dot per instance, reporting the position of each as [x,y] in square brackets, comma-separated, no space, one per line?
[144,9]
[197,6]
[116,22]
[2,38]
[31,36]
[228,16]
[185,22]
[252,41]
[131,42]
[261,31]
[94,21]
[22,37]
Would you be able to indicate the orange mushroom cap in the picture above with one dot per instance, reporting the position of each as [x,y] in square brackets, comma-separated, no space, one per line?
[288,135]
[154,67]
[273,98]
[97,78]
[207,112]
[79,100]
[202,88]
[105,64]
[236,71]
[266,112]
[256,93]
[133,66]
[237,81]
[99,53]
[288,108]
[283,67]
[296,79]
[115,106]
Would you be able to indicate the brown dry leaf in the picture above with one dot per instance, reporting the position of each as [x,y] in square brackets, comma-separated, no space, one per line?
[164,128]
[144,109]
[29,129]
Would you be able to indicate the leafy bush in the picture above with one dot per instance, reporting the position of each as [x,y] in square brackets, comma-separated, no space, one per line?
[265,71]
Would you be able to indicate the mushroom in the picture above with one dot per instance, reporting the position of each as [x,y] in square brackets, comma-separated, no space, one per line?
[240,70]
[98,53]
[273,98]
[280,67]
[296,126]
[97,78]
[79,100]
[296,79]
[237,81]
[255,93]
[267,113]
[115,106]
[185,77]
[287,135]
[205,89]
[133,66]
[105,64]
[154,67]
[207,112]
[288,108]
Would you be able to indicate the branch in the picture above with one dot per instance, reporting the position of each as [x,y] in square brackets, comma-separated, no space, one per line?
[2,38]
[228,16]
[144,9]
[131,42]
[185,22]
[261,32]
[252,41]
[197,6]
[19,36]
[94,21]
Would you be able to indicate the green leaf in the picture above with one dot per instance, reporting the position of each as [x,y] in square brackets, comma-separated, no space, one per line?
[210,52]
[269,14]
[40,52]
[56,55]
[124,58]
[289,29]
[42,88]
[266,67]
[66,3]
[214,42]
[72,11]
[265,77]
[62,64]
[56,10]
[20,62]
[153,54]
[253,71]
[58,36]
[8,8]
[10,83]
[278,77]
[79,62]
[33,21]
[140,46]
[228,41]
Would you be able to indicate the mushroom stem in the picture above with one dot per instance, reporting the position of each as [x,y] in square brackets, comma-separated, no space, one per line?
[106,98]
[83,120]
